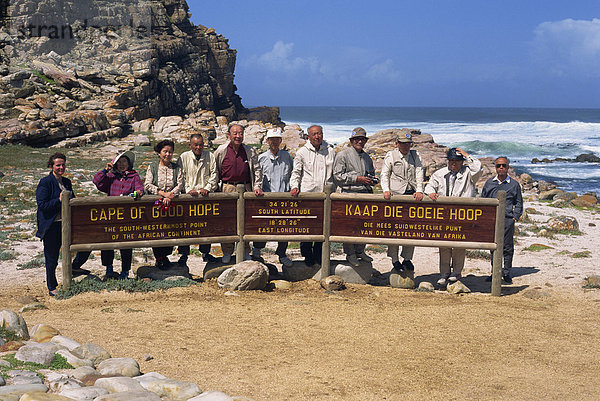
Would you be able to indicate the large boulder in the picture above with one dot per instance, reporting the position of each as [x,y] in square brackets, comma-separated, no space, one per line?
[247,275]
[562,223]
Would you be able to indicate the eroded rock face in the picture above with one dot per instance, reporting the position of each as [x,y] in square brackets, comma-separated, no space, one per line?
[108,65]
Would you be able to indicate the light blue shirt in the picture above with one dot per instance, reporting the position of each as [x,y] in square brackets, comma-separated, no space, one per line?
[277,170]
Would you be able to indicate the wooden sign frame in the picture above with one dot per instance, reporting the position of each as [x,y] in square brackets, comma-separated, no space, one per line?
[433,212]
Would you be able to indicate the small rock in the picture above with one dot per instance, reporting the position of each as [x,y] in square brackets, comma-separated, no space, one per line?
[300,272]
[148,357]
[282,284]
[174,390]
[58,386]
[549,195]
[333,283]
[212,396]
[141,140]
[11,346]
[247,275]
[119,366]
[26,299]
[119,384]
[231,294]
[31,353]
[24,377]
[66,342]
[93,352]
[84,393]
[457,288]
[81,372]
[73,360]
[42,333]
[148,378]
[426,286]
[351,274]
[21,389]
[130,396]
[593,281]
[43,397]
[14,322]
[212,270]
[404,279]
[32,307]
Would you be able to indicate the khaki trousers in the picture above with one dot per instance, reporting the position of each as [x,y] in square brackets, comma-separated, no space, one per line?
[230,247]
[451,258]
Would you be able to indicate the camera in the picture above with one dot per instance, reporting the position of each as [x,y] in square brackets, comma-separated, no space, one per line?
[373,178]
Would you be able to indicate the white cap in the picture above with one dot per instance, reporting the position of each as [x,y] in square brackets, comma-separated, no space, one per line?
[128,154]
[274,133]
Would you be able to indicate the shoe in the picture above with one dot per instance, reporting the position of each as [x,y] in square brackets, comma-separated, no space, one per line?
[287,262]
[488,279]
[310,262]
[226,258]
[182,260]
[454,277]
[247,256]
[110,273]
[353,260]
[207,257]
[53,292]
[507,279]
[124,274]
[408,265]
[364,257]
[442,281]
[79,272]
[255,253]
[398,266]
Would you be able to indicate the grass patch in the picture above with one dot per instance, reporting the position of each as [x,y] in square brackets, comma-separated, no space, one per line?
[582,254]
[8,335]
[377,248]
[32,264]
[7,255]
[569,232]
[91,285]
[478,254]
[537,247]
[59,362]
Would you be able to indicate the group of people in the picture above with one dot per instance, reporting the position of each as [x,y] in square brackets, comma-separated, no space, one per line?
[199,172]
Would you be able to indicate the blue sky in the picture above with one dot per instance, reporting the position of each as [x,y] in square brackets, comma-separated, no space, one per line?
[412,53]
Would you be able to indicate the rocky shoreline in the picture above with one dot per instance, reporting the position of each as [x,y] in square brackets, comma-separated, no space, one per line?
[91,373]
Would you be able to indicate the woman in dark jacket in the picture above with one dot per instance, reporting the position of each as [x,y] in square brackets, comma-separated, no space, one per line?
[48,195]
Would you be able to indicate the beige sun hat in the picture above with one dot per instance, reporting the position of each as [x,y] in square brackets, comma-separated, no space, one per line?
[129,155]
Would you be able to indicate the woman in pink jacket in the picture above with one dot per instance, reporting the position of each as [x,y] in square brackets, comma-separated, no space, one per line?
[119,178]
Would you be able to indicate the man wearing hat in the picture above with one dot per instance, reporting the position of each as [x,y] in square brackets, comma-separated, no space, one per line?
[277,168]
[402,174]
[313,170]
[353,171]
[200,176]
[458,179]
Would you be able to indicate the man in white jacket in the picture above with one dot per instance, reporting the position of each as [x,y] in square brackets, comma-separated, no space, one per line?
[402,174]
[313,169]
[458,179]
[200,177]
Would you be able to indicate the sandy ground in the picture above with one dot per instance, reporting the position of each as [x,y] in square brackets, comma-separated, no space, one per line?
[540,340]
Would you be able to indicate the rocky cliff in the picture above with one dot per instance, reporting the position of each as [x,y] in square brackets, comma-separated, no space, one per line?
[73,67]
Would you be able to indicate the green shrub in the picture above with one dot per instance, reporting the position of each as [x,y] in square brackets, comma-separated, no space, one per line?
[94,285]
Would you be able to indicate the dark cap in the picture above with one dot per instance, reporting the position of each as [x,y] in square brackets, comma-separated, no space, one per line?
[358,132]
[454,155]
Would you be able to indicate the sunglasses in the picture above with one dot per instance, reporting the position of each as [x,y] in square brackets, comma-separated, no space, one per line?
[501,165]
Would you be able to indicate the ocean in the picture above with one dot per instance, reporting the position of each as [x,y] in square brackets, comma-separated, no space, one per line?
[519,133]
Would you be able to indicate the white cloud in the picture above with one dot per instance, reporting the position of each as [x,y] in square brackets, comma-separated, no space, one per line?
[384,72]
[280,58]
[569,46]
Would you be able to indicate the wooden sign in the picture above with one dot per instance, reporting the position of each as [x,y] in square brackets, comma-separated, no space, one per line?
[283,217]
[142,220]
[417,221]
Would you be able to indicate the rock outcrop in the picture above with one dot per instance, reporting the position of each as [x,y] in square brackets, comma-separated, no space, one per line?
[69,68]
